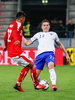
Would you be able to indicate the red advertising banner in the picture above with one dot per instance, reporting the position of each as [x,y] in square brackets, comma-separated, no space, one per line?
[5,60]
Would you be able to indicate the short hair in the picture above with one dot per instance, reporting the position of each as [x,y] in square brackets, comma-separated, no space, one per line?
[20,14]
[45,20]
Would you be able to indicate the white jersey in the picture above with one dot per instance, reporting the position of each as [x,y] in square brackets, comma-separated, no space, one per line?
[46,41]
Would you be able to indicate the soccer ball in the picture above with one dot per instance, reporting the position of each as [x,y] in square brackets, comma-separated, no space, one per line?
[44,82]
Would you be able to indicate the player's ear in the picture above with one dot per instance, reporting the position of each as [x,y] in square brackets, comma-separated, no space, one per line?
[41,26]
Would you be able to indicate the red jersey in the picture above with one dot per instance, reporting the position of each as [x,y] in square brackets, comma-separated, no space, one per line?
[13,33]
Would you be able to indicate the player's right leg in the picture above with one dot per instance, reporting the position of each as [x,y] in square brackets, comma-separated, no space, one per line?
[22,75]
[18,88]
[39,63]
[34,77]
[38,72]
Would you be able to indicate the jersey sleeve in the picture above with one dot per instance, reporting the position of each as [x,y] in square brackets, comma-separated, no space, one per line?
[34,38]
[56,38]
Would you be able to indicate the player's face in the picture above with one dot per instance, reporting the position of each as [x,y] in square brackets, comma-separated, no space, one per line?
[45,26]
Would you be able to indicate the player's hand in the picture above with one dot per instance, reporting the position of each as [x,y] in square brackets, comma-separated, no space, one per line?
[16,42]
[68,58]
[4,49]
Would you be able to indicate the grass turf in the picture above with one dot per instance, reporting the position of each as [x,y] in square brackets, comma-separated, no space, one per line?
[65,84]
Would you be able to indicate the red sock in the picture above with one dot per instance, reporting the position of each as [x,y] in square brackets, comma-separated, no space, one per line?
[34,76]
[23,73]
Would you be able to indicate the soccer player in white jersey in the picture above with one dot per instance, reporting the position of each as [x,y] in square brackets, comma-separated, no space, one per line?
[46,50]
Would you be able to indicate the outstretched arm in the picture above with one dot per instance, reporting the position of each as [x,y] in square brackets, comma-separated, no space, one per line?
[5,42]
[61,46]
[25,41]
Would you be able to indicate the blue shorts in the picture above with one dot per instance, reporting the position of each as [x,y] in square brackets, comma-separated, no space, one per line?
[42,58]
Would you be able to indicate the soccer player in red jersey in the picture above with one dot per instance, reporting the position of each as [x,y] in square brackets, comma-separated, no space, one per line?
[13,40]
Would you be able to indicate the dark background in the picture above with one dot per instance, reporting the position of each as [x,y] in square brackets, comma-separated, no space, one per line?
[36,11]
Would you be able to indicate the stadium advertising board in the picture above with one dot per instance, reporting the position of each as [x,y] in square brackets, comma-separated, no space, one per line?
[5,60]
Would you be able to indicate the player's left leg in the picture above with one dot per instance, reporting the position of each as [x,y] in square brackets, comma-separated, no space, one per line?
[50,61]
[52,75]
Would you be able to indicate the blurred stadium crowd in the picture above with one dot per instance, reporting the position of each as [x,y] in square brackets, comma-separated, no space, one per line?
[57,25]
[8,9]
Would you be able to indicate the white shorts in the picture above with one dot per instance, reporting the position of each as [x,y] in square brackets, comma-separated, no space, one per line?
[23,60]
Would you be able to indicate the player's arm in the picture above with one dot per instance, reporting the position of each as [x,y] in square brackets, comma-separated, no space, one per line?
[61,46]
[5,42]
[25,41]
[28,42]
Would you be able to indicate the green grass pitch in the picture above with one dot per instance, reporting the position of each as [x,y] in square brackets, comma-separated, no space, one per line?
[65,84]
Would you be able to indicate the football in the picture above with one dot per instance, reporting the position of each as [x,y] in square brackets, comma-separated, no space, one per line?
[44,82]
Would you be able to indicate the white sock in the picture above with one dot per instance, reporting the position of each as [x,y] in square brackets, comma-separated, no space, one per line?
[52,76]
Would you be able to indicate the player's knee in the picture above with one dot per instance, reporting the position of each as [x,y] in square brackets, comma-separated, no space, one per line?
[30,66]
[50,65]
